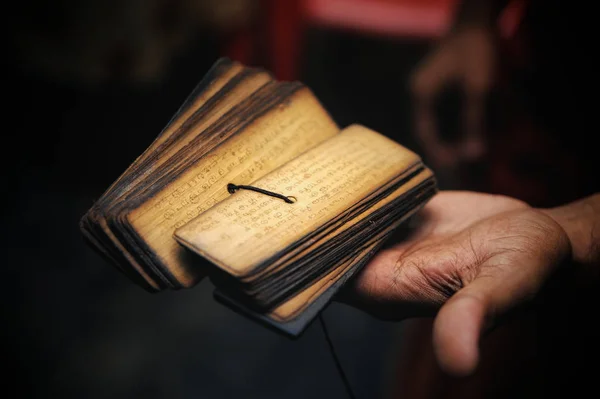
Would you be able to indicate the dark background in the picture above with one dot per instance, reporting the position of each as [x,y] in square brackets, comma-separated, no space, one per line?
[88,86]
[75,327]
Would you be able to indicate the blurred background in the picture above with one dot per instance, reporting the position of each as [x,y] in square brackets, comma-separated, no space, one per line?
[489,102]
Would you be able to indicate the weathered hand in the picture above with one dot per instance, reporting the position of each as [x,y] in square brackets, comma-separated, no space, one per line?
[471,258]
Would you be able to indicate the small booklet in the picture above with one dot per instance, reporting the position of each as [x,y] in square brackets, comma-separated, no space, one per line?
[254,185]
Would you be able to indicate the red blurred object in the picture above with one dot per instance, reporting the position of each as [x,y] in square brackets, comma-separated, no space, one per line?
[279,37]
[396,18]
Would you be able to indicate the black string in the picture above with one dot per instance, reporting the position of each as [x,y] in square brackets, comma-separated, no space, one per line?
[338,365]
[232,188]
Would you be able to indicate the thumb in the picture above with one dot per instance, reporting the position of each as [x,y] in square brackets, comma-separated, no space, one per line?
[456,332]
[463,319]
[511,276]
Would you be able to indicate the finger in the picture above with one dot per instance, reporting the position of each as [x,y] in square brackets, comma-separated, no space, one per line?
[429,79]
[425,125]
[456,332]
[443,157]
[478,81]
[473,144]
[460,324]
[479,55]
[437,71]
[434,73]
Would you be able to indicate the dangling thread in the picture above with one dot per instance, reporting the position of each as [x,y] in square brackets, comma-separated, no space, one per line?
[337,362]
[232,188]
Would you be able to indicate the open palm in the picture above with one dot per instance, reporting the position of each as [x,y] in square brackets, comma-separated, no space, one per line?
[470,257]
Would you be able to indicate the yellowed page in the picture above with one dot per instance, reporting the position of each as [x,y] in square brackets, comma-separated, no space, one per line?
[293,306]
[175,124]
[334,230]
[231,99]
[248,228]
[269,142]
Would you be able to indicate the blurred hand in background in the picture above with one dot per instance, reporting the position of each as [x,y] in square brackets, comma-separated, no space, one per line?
[466,57]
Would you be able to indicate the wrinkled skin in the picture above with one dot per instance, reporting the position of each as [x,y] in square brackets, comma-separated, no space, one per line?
[469,259]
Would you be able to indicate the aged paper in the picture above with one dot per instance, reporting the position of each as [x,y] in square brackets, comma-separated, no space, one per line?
[269,142]
[249,227]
